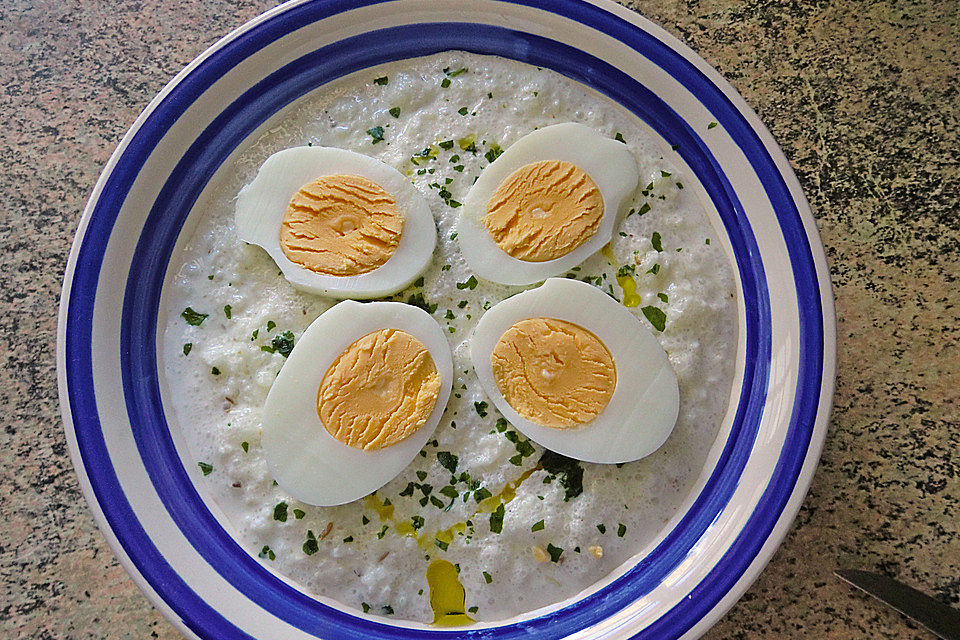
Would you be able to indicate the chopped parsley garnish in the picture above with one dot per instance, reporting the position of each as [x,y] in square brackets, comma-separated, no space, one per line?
[502,424]
[537,526]
[626,270]
[665,174]
[376,133]
[496,519]
[271,325]
[454,74]
[445,83]
[215,371]
[417,522]
[311,546]
[205,468]
[461,304]
[656,241]
[458,168]
[280,512]
[707,241]
[283,343]
[481,408]
[365,520]
[471,283]
[555,552]
[619,138]
[448,461]
[365,606]
[487,577]
[450,491]
[679,185]
[253,336]
[602,528]
[348,539]
[468,143]
[473,609]
[267,552]
[422,475]
[567,470]
[663,297]
[381,80]
[437,502]
[655,269]
[656,317]
[463,111]
[419,282]
[193,318]
[387,609]
[227,311]
[245,446]
[622,529]
[482,494]
[299,513]
[418,300]
[440,543]
[395,112]
[711,125]
[187,347]
[446,144]
[644,209]
[493,152]
[382,532]
[450,315]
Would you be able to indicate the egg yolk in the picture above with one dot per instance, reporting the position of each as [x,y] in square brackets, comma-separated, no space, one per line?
[553,372]
[341,225]
[544,210]
[379,391]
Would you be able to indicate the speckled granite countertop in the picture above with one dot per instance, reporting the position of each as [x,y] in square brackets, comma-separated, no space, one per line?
[862,96]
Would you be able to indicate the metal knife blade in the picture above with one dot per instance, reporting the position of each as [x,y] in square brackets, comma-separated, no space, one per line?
[942,620]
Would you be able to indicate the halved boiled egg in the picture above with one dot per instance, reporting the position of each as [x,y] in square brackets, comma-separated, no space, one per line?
[551,200]
[358,397]
[337,223]
[576,372]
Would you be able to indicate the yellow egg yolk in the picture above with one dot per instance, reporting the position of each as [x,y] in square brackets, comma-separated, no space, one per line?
[553,372]
[544,210]
[379,391]
[341,225]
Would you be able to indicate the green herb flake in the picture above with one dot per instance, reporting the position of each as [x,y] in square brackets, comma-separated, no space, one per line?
[448,461]
[381,80]
[417,522]
[655,269]
[707,241]
[187,347]
[365,607]
[458,168]
[445,83]
[245,446]
[656,317]
[487,577]
[656,241]
[228,311]
[644,209]
[311,546]
[215,371]
[493,152]
[365,520]
[555,552]
[283,343]
[387,609]
[463,111]
[280,512]
[193,318]
[679,185]
[206,468]
[496,519]
[482,494]
[481,408]
[454,74]
[461,304]
[267,348]
[665,174]
[619,138]
[663,297]
[470,284]
[626,270]
[418,282]
[567,470]
[348,540]
[271,325]
[418,300]
[446,144]
[376,133]
[395,112]
[473,609]
[382,532]
[602,528]
[537,526]
[299,514]
[437,502]
[450,315]
[621,530]
[440,543]
[711,125]
[266,553]
[450,491]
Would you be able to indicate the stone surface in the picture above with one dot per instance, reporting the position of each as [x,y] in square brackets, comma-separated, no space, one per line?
[863,97]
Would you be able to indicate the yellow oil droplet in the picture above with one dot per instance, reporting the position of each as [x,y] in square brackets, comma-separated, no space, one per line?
[509,492]
[447,596]
[406,529]
[626,281]
[385,511]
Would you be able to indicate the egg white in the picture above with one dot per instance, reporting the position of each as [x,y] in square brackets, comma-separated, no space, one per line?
[646,400]
[305,460]
[262,203]
[608,163]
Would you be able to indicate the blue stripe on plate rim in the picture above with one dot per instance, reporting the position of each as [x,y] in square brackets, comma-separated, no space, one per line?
[207,623]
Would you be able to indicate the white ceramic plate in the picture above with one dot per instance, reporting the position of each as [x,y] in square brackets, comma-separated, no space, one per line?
[126,456]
